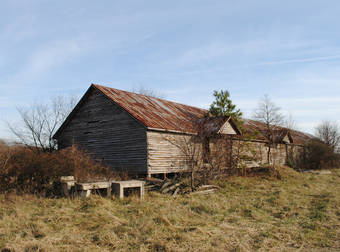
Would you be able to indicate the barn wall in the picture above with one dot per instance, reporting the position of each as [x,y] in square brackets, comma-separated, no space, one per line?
[166,151]
[220,152]
[108,133]
[255,153]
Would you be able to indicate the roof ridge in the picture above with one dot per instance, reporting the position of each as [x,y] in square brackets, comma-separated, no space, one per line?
[120,90]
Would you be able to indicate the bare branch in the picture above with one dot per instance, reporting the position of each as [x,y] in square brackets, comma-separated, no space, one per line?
[148,92]
[40,121]
[269,114]
[329,133]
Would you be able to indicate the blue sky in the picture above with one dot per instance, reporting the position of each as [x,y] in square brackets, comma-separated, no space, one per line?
[289,50]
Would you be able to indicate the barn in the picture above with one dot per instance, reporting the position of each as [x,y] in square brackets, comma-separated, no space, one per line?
[139,134]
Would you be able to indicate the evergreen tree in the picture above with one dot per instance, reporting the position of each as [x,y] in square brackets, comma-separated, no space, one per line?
[223,106]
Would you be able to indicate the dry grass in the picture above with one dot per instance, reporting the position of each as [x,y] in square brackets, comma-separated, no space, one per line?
[298,212]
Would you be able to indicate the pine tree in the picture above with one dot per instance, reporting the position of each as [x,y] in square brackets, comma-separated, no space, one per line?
[223,106]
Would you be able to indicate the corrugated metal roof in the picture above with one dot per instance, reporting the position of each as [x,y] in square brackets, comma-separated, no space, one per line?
[154,112]
[251,127]
[161,114]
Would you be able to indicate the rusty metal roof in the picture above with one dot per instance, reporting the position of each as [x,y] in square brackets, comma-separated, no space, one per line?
[159,114]
[257,130]
[156,113]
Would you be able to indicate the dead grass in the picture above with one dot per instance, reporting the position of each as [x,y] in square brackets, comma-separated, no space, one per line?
[300,211]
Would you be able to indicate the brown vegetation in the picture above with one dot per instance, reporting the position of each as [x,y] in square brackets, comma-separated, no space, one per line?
[26,170]
[316,155]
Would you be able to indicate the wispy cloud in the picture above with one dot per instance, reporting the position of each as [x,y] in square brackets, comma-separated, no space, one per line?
[51,55]
[299,60]
[41,61]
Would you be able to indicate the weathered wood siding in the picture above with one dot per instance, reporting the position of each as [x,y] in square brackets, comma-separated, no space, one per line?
[108,133]
[227,129]
[254,153]
[166,151]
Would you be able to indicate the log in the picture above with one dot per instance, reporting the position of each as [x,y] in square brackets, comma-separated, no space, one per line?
[150,187]
[209,186]
[165,185]
[155,180]
[171,188]
[204,192]
[175,192]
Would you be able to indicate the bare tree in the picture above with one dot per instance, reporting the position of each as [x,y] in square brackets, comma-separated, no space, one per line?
[40,121]
[289,122]
[269,114]
[190,151]
[148,92]
[329,133]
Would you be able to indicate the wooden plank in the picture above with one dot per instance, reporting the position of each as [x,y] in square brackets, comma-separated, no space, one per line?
[94,185]
[108,133]
[165,154]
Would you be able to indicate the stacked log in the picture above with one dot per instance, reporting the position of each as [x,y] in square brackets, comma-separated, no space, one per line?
[175,187]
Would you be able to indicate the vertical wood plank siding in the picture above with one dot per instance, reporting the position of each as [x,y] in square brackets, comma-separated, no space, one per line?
[108,133]
[164,155]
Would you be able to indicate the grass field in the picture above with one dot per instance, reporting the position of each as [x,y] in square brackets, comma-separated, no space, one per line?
[299,212]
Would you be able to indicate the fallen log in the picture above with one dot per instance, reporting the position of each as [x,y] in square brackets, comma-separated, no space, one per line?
[204,192]
[165,185]
[171,188]
[150,187]
[209,186]
[175,192]
[155,180]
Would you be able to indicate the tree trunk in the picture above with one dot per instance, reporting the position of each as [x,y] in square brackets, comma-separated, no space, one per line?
[268,154]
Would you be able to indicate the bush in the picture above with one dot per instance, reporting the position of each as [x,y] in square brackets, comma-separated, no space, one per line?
[26,170]
[317,155]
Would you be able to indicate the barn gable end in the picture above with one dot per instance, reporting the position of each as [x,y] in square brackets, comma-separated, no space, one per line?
[107,132]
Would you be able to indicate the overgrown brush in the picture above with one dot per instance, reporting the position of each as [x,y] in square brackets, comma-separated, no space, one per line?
[316,155]
[31,171]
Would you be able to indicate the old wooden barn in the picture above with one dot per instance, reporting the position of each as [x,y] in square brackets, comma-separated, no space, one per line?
[145,135]
[136,133]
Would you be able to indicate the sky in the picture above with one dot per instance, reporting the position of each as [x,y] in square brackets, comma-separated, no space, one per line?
[289,50]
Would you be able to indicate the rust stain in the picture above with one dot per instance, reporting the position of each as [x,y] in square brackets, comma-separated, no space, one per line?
[154,112]
[166,115]
[253,127]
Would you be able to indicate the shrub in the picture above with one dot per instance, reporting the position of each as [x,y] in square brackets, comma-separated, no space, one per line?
[317,155]
[26,170]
